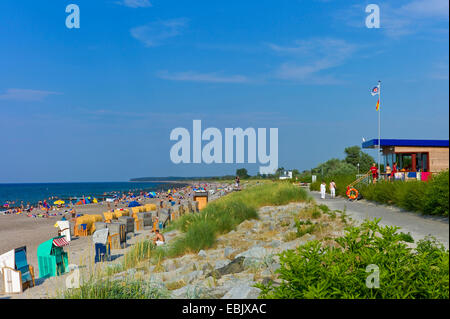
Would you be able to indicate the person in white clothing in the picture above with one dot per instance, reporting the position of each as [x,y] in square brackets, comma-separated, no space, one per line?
[333,189]
[323,189]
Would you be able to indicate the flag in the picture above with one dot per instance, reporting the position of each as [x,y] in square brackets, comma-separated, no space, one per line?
[375,91]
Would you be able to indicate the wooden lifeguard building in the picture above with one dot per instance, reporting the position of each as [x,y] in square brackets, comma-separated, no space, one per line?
[431,156]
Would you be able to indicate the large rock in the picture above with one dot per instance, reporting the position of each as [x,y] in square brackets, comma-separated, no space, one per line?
[181,292]
[242,292]
[221,263]
[202,253]
[275,243]
[169,265]
[292,244]
[189,292]
[237,265]
[254,252]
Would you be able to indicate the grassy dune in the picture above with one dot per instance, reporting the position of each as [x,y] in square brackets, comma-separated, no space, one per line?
[199,232]
[224,214]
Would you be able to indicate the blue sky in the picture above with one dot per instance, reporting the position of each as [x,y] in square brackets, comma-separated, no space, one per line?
[98,103]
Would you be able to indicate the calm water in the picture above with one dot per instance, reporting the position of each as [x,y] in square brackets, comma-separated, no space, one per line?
[34,192]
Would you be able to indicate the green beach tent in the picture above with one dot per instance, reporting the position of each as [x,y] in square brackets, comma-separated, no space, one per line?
[52,259]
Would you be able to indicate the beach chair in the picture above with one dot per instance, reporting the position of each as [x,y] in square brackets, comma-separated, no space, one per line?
[102,245]
[114,241]
[17,274]
[108,216]
[64,228]
[139,224]
[82,230]
[155,224]
[52,259]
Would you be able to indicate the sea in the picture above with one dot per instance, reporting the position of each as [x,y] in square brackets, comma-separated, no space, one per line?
[32,193]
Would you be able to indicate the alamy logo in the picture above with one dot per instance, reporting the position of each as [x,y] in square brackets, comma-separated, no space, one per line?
[73,19]
[373,19]
[212,151]
[373,280]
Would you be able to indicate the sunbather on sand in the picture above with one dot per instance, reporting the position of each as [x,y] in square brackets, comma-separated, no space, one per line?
[159,238]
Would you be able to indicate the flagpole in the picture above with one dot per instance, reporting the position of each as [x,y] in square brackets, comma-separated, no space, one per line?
[379,126]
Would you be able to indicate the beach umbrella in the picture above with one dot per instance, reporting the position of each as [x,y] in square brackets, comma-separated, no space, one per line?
[59,202]
[134,204]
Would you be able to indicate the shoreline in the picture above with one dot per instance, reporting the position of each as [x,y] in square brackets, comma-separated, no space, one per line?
[16,203]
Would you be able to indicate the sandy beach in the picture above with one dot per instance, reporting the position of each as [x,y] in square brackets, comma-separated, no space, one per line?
[19,230]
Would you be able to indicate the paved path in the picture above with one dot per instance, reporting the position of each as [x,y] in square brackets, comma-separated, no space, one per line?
[418,225]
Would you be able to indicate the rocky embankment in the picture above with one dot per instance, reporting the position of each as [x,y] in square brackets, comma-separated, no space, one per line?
[240,258]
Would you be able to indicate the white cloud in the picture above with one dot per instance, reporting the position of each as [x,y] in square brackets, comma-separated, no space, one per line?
[155,33]
[202,77]
[25,95]
[310,58]
[135,3]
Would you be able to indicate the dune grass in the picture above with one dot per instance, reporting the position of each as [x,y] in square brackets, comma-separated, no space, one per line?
[106,288]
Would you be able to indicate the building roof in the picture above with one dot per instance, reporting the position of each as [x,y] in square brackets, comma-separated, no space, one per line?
[396,142]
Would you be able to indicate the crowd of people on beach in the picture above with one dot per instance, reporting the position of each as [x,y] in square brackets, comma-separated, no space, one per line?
[54,206]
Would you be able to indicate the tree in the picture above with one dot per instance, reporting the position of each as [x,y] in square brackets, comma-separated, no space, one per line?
[242,173]
[295,172]
[334,167]
[279,171]
[355,155]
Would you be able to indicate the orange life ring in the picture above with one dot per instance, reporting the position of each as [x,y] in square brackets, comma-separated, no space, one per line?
[352,193]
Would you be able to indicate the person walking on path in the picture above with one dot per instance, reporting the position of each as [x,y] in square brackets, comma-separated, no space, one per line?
[323,189]
[333,189]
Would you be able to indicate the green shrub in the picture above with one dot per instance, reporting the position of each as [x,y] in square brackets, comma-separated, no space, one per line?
[437,195]
[313,271]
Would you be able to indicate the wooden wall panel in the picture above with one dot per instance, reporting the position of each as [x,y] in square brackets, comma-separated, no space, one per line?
[439,156]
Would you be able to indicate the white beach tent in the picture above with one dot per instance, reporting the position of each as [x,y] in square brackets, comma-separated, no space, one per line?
[64,227]
[100,236]
[12,280]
